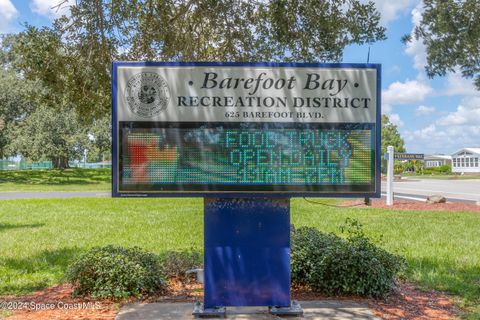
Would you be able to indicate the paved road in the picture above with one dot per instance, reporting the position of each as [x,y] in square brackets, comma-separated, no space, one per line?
[45,195]
[453,190]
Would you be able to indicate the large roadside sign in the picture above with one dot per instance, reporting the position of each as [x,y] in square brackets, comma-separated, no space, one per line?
[246,129]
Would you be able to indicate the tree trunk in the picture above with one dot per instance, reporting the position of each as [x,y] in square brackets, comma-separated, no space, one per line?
[60,163]
[64,163]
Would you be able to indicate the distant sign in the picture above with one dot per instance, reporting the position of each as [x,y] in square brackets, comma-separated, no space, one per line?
[409,156]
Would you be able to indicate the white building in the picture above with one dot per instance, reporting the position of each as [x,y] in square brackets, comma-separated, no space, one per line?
[437,160]
[466,160]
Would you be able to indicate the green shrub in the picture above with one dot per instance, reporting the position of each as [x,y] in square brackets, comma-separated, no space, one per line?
[399,167]
[332,265]
[116,272]
[445,169]
[176,263]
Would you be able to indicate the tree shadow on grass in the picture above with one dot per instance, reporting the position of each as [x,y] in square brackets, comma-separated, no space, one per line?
[26,274]
[8,226]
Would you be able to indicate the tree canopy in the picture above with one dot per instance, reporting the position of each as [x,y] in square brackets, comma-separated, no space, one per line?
[74,56]
[391,136]
[49,135]
[40,113]
[16,100]
[450,29]
[70,62]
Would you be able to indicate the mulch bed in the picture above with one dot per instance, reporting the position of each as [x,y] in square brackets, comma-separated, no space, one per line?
[417,205]
[407,302]
[57,303]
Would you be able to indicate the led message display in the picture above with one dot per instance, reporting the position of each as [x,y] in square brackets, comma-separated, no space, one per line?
[168,138]
[222,158]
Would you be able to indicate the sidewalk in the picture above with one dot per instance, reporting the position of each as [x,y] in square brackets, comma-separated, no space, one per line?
[314,310]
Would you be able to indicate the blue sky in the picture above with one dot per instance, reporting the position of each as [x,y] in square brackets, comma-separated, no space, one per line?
[440,115]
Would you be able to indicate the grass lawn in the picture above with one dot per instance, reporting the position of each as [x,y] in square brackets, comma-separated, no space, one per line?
[56,180]
[39,237]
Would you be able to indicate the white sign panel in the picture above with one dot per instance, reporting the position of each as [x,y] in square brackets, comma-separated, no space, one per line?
[246,94]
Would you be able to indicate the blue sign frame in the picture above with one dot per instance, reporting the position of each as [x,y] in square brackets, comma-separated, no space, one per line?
[115,130]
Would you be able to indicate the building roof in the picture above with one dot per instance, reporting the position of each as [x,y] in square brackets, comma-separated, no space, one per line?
[438,157]
[471,150]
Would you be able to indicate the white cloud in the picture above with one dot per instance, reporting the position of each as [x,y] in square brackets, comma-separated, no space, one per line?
[426,140]
[390,10]
[429,140]
[472,102]
[411,91]
[424,110]
[386,108]
[434,139]
[449,133]
[462,116]
[394,69]
[8,12]
[457,85]
[51,8]
[427,132]
[395,119]
[415,48]
[472,132]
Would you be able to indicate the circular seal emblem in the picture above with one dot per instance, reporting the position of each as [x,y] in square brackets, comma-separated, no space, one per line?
[147,94]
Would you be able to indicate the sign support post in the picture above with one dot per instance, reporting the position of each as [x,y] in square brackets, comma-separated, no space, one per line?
[247,255]
[391,154]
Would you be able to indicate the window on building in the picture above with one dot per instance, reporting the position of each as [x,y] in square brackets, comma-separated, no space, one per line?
[454,162]
[462,162]
[476,162]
